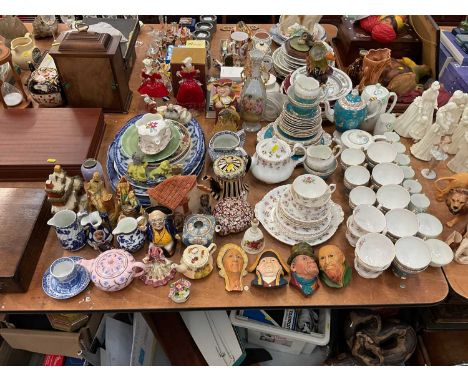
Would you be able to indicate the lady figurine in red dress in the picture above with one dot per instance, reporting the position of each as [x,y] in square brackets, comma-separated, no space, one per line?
[153,84]
[190,94]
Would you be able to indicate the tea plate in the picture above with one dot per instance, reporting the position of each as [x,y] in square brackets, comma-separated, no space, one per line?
[265,213]
[63,291]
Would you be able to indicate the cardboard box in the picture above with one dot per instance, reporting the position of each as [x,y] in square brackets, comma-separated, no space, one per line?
[49,341]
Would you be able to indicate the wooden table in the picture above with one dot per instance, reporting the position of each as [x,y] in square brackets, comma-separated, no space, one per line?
[429,287]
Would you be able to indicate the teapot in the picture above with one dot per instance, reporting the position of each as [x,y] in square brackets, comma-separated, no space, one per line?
[377,97]
[113,270]
[196,261]
[272,161]
[350,112]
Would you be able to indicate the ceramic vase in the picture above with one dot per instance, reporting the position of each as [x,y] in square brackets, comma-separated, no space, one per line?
[373,64]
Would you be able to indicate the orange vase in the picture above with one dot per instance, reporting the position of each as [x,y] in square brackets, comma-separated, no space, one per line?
[373,65]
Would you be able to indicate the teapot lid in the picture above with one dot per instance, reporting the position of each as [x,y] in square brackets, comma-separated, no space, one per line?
[229,167]
[273,149]
[352,101]
[376,90]
[112,263]
[195,256]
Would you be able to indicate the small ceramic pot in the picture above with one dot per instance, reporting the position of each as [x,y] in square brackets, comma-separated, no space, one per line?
[412,256]
[356,176]
[70,232]
[98,232]
[380,152]
[361,195]
[63,269]
[429,226]
[311,191]
[44,86]
[368,219]
[179,291]
[441,253]
[129,234]
[401,223]
[358,139]
[322,158]
[352,157]
[413,186]
[89,167]
[375,252]
[392,196]
[199,229]
[419,203]
[387,173]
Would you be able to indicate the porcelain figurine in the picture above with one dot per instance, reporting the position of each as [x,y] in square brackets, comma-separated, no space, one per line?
[129,204]
[410,118]
[99,199]
[137,168]
[45,88]
[223,95]
[418,129]
[253,241]
[373,64]
[304,269]
[98,232]
[180,291]
[253,96]
[317,62]
[334,270]
[232,215]
[457,203]
[269,270]
[437,155]
[160,229]
[190,94]
[70,232]
[197,261]
[152,83]
[273,160]
[131,233]
[64,192]
[458,133]
[455,181]
[24,51]
[232,263]
[350,112]
[175,112]
[460,99]
[377,97]
[199,229]
[459,163]
[227,119]
[113,270]
[159,270]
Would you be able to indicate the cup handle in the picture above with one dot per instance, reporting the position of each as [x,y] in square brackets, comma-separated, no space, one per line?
[139,264]
[337,150]
[395,98]
[332,188]
[297,147]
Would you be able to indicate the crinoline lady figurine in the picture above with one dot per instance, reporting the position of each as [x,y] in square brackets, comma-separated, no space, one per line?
[153,84]
[190,94]
[458,133]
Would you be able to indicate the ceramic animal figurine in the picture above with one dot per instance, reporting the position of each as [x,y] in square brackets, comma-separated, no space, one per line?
[269,270]
[175,112]
[458,133]
[98,232]
[159,270]
[113,270]
[199,229]
[457,203]
[459,163]
[160,229]
[454,181]
[131,233]
[164,169]
[205,205]
[304,269]
[232,263]
[70,233]
[334,270]
[190,94]
[179,291]
[317,62]
[253,241]
[196,261]
[137,168]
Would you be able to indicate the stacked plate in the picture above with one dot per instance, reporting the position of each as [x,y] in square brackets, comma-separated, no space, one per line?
[186,149]
[285,64]
[319,33]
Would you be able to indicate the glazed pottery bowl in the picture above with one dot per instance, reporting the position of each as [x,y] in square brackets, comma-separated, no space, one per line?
[380,152]
[401,223]
[392,196]
[419,203]
[408,172]
[387,173]
[368,219]
[441,253]
[403,160]
[429,226]
[356,176]
[412,255]
[311,191]
[361,195]
[352,157]
[413,186]
[63,269]
[375,251]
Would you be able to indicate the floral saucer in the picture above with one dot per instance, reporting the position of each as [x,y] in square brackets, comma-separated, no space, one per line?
[64,290]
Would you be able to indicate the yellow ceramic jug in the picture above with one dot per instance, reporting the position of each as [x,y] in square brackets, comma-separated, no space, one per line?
[23,50]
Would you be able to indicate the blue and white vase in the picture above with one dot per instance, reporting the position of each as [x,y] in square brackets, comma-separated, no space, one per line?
[130,233]
[70,233]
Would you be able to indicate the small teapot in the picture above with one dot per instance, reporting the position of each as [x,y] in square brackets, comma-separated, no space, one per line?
[197,261]
[113,270]
[272,161]
[350,112]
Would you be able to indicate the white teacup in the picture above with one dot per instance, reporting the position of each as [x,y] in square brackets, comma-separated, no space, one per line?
[356,176]
[441,253]
[381,152]
[412,255]
[429,226]
[391,136]
[413,186]
[403,159]
[387,173]
[368,219]
[401,223]
[352,157]
[361,195]
[306,89]
[419,203]
[63,269]
[311,191]
[375,251]
[408,172]
[392,196]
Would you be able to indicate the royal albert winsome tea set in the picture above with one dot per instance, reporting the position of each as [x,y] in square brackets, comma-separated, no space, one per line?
[155,159]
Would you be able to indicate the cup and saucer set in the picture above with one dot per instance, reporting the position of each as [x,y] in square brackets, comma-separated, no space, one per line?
[65,278]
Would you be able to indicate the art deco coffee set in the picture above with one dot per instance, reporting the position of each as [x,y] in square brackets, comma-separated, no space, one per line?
[153,164]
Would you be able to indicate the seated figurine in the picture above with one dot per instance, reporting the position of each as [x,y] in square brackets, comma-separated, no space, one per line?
[160,229]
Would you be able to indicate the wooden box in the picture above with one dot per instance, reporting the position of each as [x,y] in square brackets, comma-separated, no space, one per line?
[29,137]
[130,28]
[92,70]
[198,61]
[23,218]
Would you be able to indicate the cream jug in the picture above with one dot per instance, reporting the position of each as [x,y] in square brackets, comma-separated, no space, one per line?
[23,50]
[377,98]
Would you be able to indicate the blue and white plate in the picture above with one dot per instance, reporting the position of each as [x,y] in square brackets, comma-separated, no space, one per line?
[62,291]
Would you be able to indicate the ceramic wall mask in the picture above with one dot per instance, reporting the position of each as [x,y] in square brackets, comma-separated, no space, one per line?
[269,270]
[334,270]
[304,269]
[232,263]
